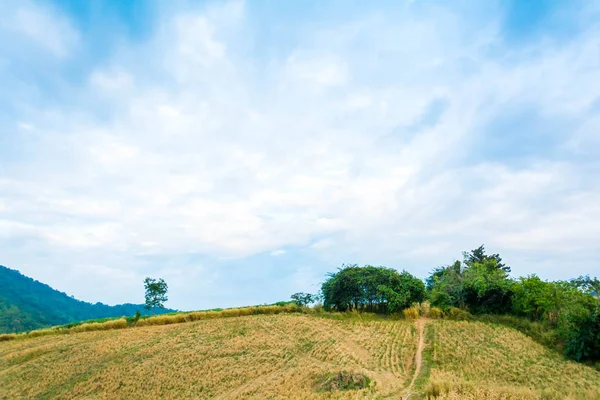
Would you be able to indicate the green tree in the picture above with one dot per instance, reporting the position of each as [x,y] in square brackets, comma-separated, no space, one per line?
[478,256]
[480,283]
[446,286]
[590,285]
[303,299]
[369,288]
[156,293]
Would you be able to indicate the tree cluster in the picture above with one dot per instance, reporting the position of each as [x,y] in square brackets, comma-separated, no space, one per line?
[369,288]
[481,285]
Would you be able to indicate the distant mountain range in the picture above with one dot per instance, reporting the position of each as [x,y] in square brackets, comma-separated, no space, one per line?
[27,304]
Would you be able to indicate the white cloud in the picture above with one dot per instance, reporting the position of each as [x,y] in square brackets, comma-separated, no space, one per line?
[41,25]
[207,148]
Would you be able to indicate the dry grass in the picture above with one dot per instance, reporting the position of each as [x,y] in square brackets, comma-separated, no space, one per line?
[7,336]
[261,356]
[434,313]
[167,319]
[286,356]
[411,313]
[473,360]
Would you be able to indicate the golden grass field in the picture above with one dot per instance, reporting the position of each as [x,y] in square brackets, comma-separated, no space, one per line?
[284,356]
[473,360]
[263,356]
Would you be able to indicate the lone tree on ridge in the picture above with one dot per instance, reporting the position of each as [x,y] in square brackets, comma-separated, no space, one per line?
[156,293]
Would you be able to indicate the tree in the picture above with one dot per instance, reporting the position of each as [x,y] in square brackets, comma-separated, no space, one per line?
[369,288]
[303,299]
[446,286]
[480,283]
[478,256]
[156,293]
[591,285]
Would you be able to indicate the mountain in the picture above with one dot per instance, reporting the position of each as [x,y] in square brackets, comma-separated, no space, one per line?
[27,304]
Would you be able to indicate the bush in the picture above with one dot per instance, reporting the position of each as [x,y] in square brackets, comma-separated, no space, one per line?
[43,332]
[579,328]
[99,326]
[318,308]
[7,336]
[411,313]
[457,314]
[434,313]
[115,324]
[423,307]
[342,381]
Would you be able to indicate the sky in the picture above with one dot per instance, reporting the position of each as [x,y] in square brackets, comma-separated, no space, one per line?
[243,150]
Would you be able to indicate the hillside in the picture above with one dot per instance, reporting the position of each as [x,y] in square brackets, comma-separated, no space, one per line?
[292,356]
[27,304]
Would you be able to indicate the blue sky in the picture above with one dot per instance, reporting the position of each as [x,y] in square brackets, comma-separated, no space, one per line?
[242,150]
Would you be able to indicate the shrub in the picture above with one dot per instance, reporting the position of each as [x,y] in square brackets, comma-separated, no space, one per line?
[42,332]
[342,381]
[92,326]
[318,308]
[423,307]
[434,313]
[411,313]
[457,314]
[7,336]
[232,312]
[115,324]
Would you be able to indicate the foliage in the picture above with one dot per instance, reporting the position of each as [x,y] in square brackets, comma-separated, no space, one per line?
[478,256]
[579,328]
[434,313]
[569,307]
[369,288]
[410,313]
[27,304]
[156,293]
[589,285]
[457,314]
[480,284]
[303,299]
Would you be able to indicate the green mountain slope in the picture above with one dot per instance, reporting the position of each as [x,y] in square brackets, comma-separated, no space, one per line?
[27,304]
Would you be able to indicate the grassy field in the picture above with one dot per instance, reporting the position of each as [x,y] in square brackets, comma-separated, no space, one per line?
[473,360]
[264,356]
[290,356]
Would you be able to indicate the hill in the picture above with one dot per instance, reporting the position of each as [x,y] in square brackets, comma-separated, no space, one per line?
[27,304]
[293,356]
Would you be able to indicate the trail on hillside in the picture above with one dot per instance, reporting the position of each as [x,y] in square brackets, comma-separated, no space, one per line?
[420,324]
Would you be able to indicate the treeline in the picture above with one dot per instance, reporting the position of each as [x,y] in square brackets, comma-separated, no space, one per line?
[481,284]
[478,285]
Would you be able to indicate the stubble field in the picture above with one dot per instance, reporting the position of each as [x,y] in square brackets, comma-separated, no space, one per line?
[281,356]
[473,360]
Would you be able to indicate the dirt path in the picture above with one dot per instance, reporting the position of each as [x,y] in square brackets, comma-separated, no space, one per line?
[420,324]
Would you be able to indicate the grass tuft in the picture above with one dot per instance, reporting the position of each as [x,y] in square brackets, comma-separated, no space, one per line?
[411,313]
[342,381]
[7,336]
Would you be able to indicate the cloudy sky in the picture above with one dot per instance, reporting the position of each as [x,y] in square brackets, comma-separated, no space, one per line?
[241,150]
